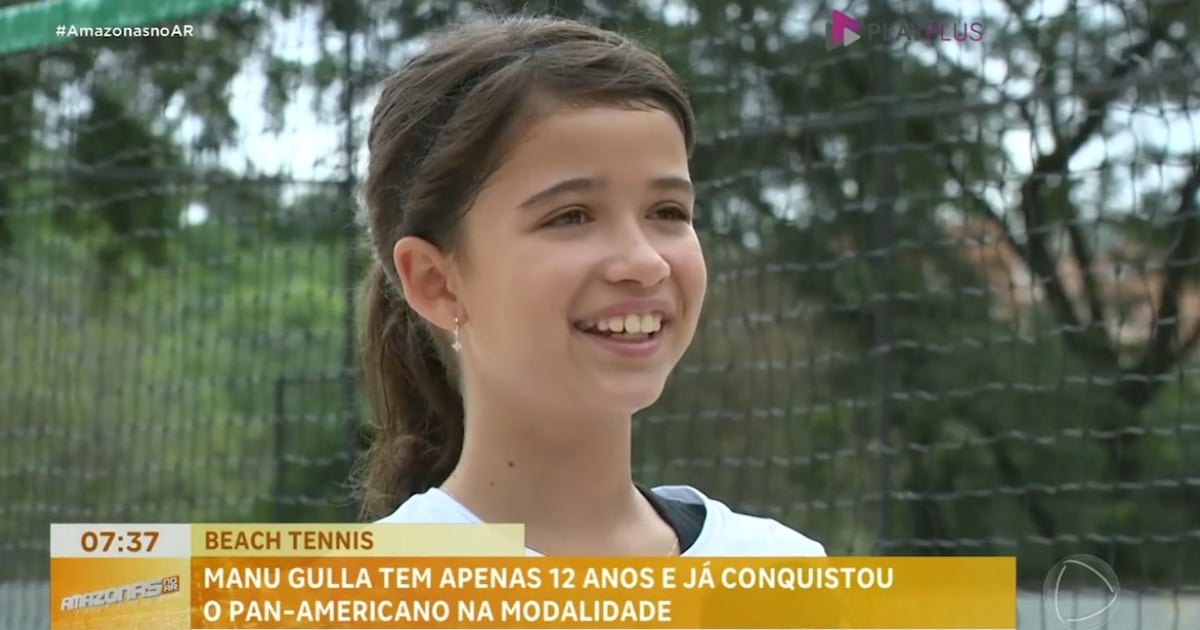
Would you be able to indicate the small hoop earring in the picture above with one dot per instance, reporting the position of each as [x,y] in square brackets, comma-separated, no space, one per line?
[456,345]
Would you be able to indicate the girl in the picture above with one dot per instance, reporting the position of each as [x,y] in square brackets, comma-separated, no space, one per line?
[536,278]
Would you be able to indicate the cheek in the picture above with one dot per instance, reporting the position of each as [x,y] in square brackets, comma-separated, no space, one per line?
[549,280]
[525,295]
[687,265]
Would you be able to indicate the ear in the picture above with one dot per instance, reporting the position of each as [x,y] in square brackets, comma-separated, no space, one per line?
[424,273]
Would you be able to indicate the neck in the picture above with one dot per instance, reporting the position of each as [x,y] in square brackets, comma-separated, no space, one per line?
[573,489]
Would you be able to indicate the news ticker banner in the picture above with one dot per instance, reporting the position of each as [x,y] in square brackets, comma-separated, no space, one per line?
[477,577]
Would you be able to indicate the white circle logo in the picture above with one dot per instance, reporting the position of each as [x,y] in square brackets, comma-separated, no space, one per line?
[1080,592]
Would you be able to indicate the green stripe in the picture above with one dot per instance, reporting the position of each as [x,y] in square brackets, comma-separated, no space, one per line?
[32,24]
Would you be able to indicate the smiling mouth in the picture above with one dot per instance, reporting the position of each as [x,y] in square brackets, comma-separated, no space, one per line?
[629,328]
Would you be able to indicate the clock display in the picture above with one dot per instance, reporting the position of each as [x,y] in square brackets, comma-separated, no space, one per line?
[105,541]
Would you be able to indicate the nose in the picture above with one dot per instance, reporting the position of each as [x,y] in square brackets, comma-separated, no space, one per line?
[636,259]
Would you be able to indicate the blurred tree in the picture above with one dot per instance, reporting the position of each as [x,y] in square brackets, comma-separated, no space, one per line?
[102,116]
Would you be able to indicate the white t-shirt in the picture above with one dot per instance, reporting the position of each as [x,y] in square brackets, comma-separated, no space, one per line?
[725,532]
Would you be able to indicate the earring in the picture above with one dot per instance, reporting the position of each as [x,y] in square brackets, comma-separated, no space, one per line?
[456,345]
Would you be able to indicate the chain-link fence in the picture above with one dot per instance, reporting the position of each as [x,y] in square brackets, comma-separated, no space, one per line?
[953,269]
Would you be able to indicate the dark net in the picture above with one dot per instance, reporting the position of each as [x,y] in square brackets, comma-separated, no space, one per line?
[954,292]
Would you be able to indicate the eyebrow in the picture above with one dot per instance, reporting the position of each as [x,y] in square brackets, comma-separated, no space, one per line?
[577,184]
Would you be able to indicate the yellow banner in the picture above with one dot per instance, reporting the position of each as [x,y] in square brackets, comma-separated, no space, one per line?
[286,541]
[399,577]
[594,593]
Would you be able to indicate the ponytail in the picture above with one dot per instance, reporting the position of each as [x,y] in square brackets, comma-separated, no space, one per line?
[417,409]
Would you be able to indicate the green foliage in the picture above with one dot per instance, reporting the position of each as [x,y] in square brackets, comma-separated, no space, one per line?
[217,401]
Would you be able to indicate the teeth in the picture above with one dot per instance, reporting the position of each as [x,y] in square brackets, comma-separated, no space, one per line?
[633,324]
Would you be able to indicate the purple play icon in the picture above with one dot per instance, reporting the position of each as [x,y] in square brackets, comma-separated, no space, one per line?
[843,30]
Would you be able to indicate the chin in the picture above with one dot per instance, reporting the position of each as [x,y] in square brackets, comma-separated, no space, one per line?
[632,397]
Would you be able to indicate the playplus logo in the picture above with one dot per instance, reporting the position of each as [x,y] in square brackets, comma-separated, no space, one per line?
[843,30]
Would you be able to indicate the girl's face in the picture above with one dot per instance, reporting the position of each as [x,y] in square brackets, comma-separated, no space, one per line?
[583,277]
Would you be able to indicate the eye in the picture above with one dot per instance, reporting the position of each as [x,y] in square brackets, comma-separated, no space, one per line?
[672,212]
[574,216]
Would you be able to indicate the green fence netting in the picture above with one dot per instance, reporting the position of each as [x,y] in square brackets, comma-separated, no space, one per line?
[954,291]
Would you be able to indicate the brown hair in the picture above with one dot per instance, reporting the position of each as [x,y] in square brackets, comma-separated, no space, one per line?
[438,131]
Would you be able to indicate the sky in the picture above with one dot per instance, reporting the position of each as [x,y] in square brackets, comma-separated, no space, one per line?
[307,149]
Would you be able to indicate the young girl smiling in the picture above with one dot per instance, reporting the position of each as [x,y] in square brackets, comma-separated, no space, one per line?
[536,278]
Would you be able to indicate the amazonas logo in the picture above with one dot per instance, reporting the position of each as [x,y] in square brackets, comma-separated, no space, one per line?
[122,594]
